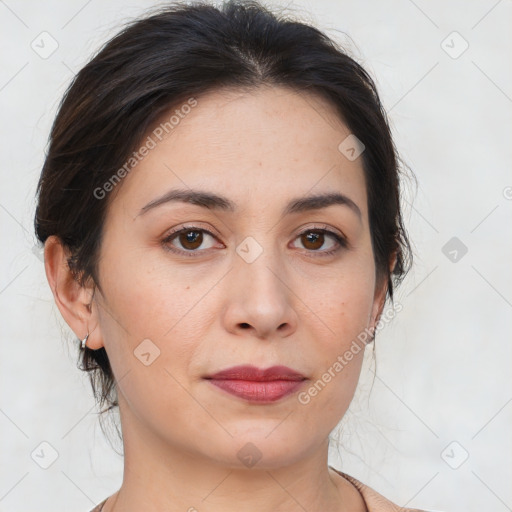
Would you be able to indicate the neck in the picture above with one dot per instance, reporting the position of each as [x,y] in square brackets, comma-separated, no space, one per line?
[162,477]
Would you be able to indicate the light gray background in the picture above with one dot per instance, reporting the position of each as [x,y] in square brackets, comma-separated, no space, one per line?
[443,364]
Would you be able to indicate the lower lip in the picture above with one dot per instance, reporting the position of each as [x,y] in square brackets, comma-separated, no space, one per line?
[261,391]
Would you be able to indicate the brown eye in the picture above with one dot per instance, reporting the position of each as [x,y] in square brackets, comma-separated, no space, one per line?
[312,240]
[321,241]
[191,240]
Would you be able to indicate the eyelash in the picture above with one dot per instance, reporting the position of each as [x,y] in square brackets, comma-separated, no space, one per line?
[322,230]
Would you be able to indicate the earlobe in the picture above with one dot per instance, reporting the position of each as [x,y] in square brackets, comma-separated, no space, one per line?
[73,300]
[381,291]
[379,300]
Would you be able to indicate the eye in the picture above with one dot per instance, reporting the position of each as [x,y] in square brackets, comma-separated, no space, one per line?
[188,240]
[315,239]
[192,240]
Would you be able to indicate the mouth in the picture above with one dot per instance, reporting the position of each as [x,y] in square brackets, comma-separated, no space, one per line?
[258,385]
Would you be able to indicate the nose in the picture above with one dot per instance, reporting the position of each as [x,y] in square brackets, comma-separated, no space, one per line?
[260,302]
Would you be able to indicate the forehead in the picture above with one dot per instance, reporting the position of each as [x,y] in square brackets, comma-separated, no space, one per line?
[264,144]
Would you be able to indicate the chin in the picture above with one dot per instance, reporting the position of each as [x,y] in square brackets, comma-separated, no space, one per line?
[257,449]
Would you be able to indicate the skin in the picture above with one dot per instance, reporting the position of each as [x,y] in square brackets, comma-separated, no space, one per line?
[292,306]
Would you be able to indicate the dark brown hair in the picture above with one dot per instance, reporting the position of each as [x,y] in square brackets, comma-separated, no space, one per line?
[178,52]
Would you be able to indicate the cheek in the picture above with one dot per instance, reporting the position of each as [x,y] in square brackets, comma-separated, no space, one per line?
[154,314]
[342,307]
[343,302]
[149,297]
[149,340]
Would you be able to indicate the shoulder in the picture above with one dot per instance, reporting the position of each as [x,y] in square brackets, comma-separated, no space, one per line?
[374,501]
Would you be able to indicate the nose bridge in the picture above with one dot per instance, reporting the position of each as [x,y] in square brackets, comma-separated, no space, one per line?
[257,263]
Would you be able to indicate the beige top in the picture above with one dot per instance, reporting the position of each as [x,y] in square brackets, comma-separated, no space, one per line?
[374,501]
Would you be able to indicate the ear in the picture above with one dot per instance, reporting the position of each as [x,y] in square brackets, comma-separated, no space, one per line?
[75,302]
[381,289]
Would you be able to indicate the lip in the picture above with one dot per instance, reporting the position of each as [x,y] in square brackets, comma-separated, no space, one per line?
[249,372]
[258,385]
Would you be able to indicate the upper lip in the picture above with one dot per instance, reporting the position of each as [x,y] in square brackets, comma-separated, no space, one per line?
[251,373]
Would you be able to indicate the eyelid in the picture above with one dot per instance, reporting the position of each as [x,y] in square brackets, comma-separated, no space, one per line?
[170,235]
[191,227]
[320,226]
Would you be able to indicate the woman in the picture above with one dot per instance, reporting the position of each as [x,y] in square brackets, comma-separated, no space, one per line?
[222,227]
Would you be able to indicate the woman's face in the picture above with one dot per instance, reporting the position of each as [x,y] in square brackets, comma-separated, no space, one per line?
[250,283]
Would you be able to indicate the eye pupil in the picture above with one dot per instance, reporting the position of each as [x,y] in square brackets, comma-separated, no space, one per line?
[191,237]
[314,237]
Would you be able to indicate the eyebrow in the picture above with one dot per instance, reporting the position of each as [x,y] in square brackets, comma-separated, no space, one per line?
[217,202]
